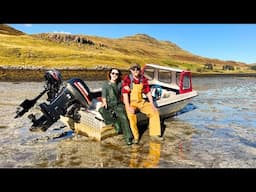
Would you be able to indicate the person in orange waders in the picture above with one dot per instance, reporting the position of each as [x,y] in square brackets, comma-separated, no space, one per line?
[133,86]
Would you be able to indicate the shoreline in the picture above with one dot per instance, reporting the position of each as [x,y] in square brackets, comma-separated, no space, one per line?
[224,75]
[15,74]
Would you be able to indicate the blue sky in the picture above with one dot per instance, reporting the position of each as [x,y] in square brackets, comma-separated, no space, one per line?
[235,42]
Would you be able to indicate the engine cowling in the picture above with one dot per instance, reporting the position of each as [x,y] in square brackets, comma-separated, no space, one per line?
[75,92]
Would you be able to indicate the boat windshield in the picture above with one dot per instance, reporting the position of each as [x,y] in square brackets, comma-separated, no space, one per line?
[149,73]
[165,76]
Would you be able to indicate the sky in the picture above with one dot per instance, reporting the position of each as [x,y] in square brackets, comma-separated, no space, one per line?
[236,42]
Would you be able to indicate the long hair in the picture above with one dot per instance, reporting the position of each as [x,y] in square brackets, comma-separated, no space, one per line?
[119,79]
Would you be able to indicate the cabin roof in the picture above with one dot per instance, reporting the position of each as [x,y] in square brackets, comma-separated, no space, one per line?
[162,67]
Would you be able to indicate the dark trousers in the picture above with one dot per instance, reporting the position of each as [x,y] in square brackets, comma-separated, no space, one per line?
[116,115]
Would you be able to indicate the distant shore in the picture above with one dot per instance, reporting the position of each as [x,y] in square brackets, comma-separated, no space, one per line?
[21,74]
[224,74]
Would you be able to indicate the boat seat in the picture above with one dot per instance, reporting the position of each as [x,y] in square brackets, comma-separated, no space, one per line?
[166,93]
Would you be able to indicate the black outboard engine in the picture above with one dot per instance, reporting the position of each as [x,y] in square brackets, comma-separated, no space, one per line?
[53,80]
[75,92]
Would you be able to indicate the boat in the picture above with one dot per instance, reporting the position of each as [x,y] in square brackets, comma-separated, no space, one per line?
[171,90]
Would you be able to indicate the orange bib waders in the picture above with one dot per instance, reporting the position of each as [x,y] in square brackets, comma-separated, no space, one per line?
[145,107]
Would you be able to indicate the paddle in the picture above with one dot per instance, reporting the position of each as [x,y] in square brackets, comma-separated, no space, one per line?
[27,104]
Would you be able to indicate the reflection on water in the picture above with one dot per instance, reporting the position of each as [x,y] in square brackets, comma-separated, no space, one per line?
[181,153]
[217,129]
[151,160]
[189,107]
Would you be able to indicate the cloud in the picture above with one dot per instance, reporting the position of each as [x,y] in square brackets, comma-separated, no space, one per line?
[28,25]
[63,32]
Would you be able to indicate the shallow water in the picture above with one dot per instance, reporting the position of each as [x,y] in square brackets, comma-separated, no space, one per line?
[216,130]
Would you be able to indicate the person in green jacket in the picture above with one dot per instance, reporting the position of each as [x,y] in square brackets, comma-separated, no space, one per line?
[112,109]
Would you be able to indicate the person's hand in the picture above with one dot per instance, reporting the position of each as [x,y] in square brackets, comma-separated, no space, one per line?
[127,88]
[104,105]
[154,108]
[130,109]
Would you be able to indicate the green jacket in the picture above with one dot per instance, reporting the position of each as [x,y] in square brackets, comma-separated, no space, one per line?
[112,93]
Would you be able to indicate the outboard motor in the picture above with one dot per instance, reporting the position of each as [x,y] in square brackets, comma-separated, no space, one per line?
[74,93]
[53,82]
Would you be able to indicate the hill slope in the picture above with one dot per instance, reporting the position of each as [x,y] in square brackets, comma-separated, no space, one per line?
[5,29]
[72,51]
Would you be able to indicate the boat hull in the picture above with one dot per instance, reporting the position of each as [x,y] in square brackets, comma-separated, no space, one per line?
[92,125]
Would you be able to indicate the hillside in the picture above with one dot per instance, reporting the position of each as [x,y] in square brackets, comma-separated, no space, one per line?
[5,29]
[81,51]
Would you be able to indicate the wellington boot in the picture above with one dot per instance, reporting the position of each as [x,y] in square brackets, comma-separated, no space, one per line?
[129,141]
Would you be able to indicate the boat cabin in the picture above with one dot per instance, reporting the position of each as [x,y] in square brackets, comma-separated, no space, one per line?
[176,80]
